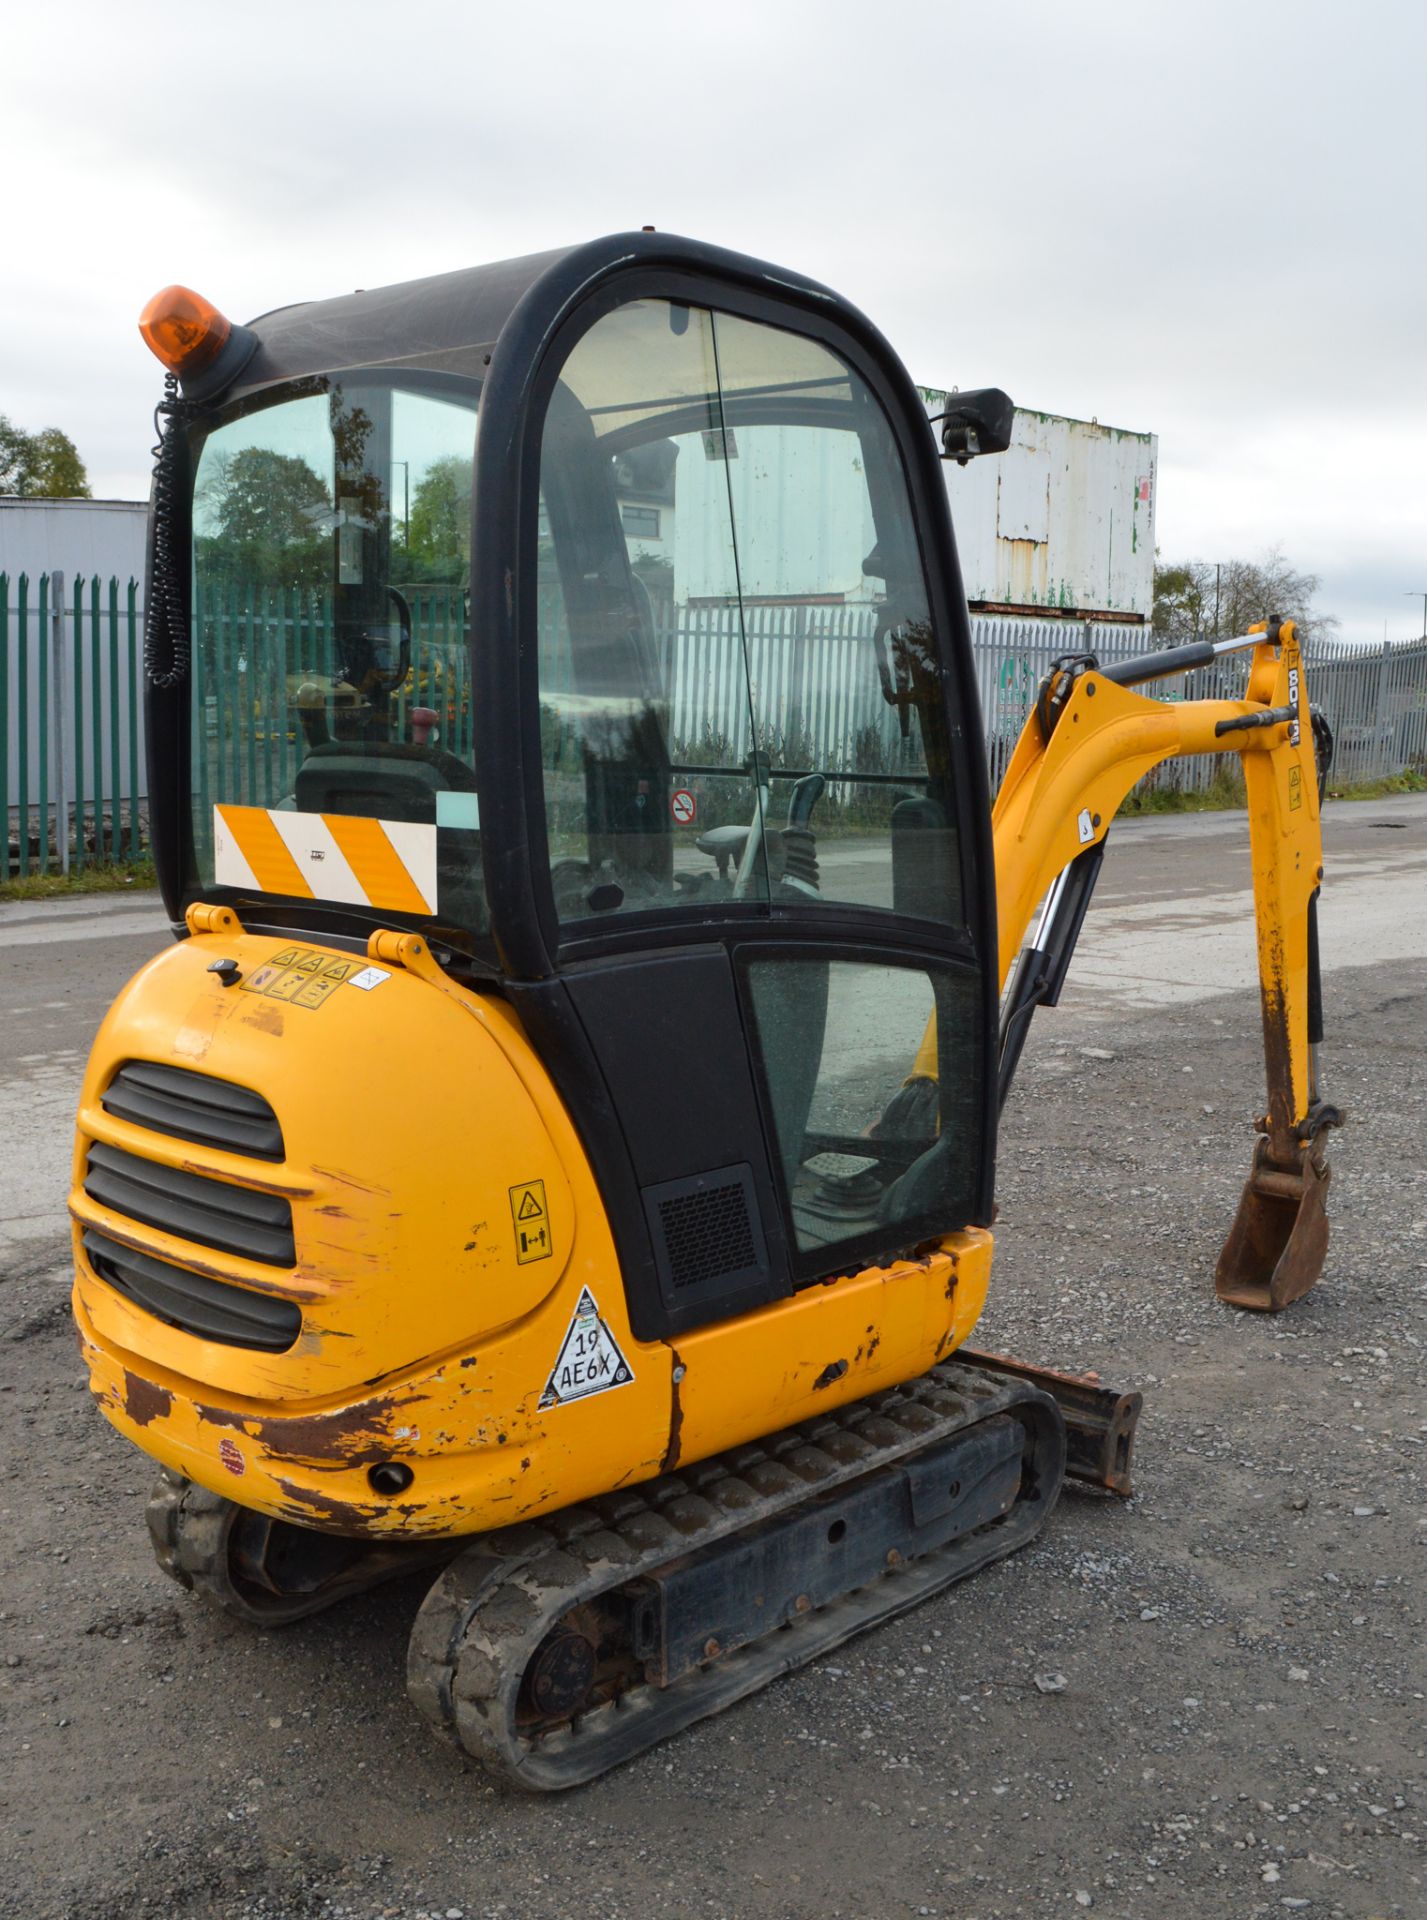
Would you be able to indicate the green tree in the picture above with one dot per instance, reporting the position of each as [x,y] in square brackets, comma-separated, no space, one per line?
[1189,595]
[264,518]
[657,573]
[15,458]
[438,534]
[40,466]
[1179,602]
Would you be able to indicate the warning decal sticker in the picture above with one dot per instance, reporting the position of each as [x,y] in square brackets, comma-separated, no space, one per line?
[590,1360]
[532,1222]
[299,976]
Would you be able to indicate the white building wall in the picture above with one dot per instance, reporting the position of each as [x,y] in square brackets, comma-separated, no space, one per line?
[79,538]
[84,540]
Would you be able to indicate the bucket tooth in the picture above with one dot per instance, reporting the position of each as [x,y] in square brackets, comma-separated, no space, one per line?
[1277,1244]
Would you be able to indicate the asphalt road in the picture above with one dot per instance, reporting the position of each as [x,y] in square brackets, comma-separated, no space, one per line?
[61,963]
[1207,1702]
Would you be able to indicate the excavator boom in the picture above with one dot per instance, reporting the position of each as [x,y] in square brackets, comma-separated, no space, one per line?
[1091,736]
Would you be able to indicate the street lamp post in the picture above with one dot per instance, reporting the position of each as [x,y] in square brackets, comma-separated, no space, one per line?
[1418,594]
[405,466]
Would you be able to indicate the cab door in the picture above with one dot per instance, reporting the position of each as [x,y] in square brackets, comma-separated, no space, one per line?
[768,1007]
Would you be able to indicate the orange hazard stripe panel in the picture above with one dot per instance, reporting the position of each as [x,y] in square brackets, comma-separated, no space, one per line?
[261,846]
[375,862]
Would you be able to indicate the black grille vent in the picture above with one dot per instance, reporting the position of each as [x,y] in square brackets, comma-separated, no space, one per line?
[212,1309]
[257,1226]
[707,1234]
[194,1106]
[707,1238]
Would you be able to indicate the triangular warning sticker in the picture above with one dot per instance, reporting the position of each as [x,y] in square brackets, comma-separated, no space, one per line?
[589,1362]
[529,1208]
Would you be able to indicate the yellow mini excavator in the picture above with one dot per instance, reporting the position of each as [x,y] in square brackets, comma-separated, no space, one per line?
[558,1146]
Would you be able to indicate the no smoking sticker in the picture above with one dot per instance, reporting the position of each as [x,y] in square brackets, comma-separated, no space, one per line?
[683,807]
[589,1360]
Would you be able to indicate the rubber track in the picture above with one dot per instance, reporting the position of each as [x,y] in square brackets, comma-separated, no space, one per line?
[488,1612]
[191,1529]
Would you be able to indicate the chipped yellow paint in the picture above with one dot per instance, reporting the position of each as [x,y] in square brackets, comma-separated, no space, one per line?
[413,1111]
[410,1113]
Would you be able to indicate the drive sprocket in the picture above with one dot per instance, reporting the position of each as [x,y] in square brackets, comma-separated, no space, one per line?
[262,1571]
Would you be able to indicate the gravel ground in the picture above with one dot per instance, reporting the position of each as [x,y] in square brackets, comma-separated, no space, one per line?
[1206,1702]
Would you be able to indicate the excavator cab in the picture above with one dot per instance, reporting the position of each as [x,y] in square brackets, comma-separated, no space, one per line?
[616,608]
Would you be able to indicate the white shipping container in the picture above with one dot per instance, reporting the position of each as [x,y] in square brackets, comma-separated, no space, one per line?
[796,496]
[1062,522]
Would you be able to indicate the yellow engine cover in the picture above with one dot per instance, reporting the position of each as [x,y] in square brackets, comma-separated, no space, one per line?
[461,1306]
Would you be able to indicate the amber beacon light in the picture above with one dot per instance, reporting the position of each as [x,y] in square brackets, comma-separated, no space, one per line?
[193,339]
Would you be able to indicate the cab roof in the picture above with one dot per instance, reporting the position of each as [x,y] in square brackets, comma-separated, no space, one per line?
[450,322]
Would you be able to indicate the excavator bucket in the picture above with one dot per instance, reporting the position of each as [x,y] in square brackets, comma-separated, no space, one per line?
[1277,1244]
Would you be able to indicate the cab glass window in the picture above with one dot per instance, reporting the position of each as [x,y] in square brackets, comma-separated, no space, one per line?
[872,1137]
[739,686]
[332,723]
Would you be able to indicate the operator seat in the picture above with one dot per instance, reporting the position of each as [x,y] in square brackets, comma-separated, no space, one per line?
[384,780]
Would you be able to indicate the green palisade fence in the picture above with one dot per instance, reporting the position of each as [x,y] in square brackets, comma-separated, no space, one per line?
[72,764]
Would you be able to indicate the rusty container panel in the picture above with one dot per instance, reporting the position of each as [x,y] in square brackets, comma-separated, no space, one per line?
[1062,522]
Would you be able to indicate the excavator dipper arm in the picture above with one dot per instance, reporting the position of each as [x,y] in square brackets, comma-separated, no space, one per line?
[1090,738]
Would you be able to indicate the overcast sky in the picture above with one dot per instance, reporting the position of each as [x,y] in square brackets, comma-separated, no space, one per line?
[1204,220]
